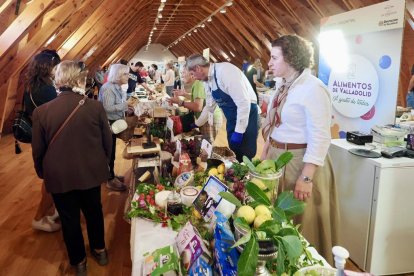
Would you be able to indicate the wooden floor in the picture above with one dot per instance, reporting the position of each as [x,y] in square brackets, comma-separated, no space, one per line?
[24,251]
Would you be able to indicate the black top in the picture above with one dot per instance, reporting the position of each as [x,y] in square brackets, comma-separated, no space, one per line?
[134,78]
[45,94]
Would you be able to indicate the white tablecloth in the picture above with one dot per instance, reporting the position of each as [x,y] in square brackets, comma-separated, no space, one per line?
[147,236]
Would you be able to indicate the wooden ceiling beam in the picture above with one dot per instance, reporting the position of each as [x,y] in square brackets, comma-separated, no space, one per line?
[39,39]
[22,24]
[133,23]
[77,21]
[103,53]
[9,75]
[94,24]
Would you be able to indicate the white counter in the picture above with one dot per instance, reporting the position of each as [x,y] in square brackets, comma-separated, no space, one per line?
[376,201]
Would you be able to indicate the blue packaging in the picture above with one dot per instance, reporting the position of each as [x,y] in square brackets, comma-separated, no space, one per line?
[225,259]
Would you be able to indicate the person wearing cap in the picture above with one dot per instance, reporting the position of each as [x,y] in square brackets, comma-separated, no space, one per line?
[135,77]
[228,88]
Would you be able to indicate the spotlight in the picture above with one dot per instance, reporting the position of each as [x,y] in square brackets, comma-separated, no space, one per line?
[202,26]
[195,30]
[163,1]
[159,15]
[223,10]
[154,28]
[209,19]
[229,3]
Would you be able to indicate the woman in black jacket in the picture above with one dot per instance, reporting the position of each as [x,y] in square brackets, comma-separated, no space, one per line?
[39,89]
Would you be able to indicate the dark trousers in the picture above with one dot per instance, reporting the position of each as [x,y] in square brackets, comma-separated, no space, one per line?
[112,160]
[69,205]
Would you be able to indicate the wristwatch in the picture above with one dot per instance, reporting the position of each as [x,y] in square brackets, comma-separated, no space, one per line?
[306,179]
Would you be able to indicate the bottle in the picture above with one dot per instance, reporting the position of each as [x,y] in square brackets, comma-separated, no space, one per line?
[340,256]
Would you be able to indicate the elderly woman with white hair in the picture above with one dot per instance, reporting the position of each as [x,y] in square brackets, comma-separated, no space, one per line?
[115,104]
[71,147]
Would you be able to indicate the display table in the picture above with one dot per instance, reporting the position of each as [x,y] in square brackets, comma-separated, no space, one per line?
[147,236]
[376,209]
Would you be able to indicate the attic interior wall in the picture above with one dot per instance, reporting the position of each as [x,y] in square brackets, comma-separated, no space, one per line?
[101,32]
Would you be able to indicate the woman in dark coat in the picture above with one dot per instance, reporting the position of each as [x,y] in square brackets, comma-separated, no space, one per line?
[39,89]
[76,163]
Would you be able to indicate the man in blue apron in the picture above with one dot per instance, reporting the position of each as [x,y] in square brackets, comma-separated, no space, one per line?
[228,88]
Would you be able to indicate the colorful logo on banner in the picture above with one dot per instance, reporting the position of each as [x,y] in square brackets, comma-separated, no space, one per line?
[354,90]
[360,53]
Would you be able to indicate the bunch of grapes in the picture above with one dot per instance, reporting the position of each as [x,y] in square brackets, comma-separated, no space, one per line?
[239,190]
[168,146]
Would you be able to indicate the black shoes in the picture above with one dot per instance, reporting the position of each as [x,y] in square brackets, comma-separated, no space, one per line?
[81,268]
[100,257]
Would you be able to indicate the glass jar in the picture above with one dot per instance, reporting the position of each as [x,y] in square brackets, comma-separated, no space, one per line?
[268,183]
[174,205]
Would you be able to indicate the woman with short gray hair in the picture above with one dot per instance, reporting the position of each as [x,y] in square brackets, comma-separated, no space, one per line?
[115,104]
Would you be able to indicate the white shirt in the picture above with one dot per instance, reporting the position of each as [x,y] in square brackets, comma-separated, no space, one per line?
[233,82]
[169,77]
[306,118]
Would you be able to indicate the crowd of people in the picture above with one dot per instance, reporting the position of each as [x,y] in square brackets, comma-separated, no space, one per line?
[66,123]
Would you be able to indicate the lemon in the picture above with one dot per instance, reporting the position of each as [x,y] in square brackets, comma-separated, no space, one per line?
[221,169]
[259,183]
[260,219]
[220,176]
[262,210]
[247,213]
[213,171]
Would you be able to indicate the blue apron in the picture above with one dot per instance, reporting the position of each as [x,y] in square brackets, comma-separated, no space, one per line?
[248,146]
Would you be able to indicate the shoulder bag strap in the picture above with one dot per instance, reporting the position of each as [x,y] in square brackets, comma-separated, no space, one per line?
[81,102]
[30,93]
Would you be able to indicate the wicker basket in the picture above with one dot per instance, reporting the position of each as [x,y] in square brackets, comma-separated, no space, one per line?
[224,154]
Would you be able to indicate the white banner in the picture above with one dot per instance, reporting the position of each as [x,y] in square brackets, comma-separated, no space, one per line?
[359,61]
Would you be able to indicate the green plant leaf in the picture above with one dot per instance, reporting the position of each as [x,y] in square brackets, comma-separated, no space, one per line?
[257,194]
[254,204]
[287,232]
[243,239]
[242,223]
[247,263]
[290,205]
[256,161]
[279,215]
[280,268]
[230,198]
[283,159]
[293,247]
[249,163]
[270,227]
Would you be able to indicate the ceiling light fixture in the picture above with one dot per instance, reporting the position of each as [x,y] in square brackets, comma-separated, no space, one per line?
[201,24]
[159,15]
[163,1]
